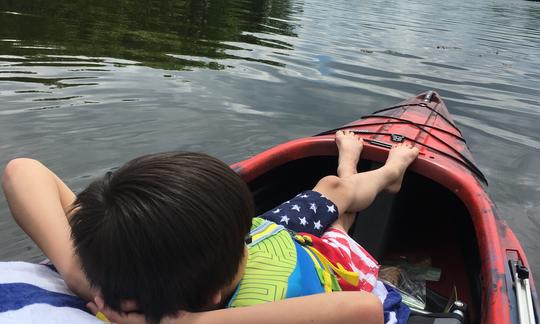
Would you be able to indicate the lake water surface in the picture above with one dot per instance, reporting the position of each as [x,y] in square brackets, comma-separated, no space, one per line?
[84,86]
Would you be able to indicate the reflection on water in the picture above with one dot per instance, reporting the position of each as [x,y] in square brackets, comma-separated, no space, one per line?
[172,35]
[87,85]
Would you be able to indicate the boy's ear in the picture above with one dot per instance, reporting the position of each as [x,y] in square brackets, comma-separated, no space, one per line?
[126,306]
[99,301]
[216,298]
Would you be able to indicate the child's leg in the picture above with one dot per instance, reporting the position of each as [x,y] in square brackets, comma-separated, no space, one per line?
[39,202]
[354,192]
[349,147]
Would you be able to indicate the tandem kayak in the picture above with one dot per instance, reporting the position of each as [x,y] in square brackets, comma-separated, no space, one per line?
[442,213]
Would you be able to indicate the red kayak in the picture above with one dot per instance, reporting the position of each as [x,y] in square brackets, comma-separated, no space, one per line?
[442,213]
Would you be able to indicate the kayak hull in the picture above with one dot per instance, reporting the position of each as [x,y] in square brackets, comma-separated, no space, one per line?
[445,159]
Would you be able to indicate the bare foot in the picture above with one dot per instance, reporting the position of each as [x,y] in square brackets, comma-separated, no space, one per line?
[349,147]
[399,159]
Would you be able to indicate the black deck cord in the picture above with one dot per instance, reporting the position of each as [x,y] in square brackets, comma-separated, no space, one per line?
[438,139]
[421,104]
[400,121]
[464,160]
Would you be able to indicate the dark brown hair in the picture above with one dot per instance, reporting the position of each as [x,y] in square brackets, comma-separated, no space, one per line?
[165,230]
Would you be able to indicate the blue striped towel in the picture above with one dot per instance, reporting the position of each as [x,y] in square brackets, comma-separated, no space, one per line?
[35,293]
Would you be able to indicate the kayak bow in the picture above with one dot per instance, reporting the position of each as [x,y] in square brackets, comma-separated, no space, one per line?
[442,211]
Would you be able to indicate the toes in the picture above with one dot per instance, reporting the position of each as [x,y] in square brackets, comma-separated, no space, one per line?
[347,133]
[344,133]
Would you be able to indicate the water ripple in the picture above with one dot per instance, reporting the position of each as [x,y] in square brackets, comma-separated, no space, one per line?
[86,86]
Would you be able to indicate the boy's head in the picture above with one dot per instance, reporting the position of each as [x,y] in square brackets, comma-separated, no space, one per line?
[165,230]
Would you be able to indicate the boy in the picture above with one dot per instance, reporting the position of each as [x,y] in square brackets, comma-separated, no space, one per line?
[167,231]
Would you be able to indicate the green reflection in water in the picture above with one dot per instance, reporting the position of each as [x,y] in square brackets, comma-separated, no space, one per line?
[172,34]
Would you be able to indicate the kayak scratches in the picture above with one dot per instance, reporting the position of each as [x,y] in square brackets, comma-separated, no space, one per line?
[503,228]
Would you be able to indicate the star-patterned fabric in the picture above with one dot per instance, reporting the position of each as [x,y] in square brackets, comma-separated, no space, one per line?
[308,212]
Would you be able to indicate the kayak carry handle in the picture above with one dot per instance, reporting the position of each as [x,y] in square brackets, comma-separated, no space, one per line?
[522,288]
[379,143]
[428,96]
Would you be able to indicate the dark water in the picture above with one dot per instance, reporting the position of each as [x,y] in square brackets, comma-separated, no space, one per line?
[84,87]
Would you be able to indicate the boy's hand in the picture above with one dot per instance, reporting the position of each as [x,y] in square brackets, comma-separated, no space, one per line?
[129,314]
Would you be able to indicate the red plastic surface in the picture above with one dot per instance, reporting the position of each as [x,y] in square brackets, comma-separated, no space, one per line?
[443,163]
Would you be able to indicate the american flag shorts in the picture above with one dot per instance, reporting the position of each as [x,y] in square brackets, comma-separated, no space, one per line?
[308,212]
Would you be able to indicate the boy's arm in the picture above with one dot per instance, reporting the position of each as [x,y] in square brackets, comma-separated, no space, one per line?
[39,202]
[338,307]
